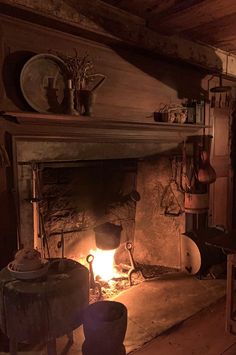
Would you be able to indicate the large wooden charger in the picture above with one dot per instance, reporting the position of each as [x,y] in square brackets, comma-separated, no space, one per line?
[43,83]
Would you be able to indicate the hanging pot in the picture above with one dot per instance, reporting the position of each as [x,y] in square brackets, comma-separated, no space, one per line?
[107,236]
[220,90]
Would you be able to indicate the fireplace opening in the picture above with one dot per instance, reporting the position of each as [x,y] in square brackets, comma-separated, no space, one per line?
[78,197]
[86,211]
[81,205]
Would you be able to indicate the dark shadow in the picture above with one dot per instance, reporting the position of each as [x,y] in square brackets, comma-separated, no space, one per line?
[233,140]
[233,163]
[184,78]
[11,73]
[52,99]
[4,342]
[11,70]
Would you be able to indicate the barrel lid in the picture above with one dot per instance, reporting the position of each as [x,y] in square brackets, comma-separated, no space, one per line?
[190,255]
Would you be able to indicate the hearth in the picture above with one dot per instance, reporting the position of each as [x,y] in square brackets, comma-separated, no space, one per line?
[108,279]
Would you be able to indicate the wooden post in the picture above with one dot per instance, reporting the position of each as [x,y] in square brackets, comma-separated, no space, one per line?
[52,347]
[13,347]
[231,264]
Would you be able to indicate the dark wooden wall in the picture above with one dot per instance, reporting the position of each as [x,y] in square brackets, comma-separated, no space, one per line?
[135,86]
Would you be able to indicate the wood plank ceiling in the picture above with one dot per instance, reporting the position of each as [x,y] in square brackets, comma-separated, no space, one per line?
[212,22]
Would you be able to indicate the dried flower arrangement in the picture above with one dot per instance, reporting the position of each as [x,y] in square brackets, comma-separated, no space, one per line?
[80,70]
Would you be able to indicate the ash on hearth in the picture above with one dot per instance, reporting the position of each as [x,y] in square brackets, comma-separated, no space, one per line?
[116,285]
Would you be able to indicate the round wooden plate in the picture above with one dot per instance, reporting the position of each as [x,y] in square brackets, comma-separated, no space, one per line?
[43,82]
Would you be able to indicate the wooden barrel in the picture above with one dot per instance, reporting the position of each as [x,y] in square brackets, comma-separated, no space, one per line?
[39,310]
[196,203]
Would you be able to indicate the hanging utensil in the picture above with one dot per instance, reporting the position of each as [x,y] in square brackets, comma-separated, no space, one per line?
[185,183]
[213,101]
[220,89]
[220,101]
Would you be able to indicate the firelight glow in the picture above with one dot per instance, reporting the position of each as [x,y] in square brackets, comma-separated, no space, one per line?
[103,264]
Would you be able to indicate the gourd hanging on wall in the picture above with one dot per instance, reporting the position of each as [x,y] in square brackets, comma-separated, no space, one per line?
[206,173]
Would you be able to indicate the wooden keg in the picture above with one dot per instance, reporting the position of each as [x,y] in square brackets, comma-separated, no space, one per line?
[196,203]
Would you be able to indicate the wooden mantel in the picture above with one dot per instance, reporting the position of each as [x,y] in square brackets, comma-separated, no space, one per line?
[92,129]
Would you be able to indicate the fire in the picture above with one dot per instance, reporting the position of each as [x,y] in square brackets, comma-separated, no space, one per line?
[103,264]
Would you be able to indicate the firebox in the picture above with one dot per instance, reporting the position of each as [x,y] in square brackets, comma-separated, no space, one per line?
[78,201]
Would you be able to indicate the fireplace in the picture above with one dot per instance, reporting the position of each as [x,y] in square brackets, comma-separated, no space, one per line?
[143,163]
[86,212]
[68,185]
[73,174]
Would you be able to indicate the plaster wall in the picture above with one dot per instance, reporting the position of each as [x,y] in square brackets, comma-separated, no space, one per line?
[157,234]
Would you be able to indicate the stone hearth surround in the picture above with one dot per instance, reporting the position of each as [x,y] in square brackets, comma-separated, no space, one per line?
[156,236]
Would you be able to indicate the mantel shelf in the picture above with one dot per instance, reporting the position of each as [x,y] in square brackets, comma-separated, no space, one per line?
[40,118]
[95,128]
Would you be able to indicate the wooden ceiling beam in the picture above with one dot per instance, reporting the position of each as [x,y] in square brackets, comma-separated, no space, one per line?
[170,7]
[215,32]
[144,8]
[105,10]
[212,59]
[192,16]
[106,22]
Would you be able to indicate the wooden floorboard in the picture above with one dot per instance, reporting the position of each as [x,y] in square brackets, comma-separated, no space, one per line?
[202,334]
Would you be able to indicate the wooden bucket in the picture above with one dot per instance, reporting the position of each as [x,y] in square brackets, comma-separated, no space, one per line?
[105,324]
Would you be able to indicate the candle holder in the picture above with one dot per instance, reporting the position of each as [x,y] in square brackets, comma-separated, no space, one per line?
[86,100]
[70,99]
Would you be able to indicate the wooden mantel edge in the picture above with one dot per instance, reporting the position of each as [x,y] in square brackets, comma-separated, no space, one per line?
[93,122]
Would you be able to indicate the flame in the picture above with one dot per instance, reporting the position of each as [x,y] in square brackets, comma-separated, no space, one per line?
[103,264]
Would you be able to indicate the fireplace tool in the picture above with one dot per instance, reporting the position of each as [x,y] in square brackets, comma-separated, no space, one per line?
[134,269]
[93,285]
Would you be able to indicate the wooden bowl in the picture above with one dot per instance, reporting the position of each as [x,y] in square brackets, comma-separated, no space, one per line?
[29,275]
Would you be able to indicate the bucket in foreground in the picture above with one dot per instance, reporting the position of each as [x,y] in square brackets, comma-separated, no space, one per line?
[105,325]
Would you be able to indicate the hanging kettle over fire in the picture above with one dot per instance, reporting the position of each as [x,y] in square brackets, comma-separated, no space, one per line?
[107,236]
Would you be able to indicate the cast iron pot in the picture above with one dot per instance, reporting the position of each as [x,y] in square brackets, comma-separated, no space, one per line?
[107,236]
